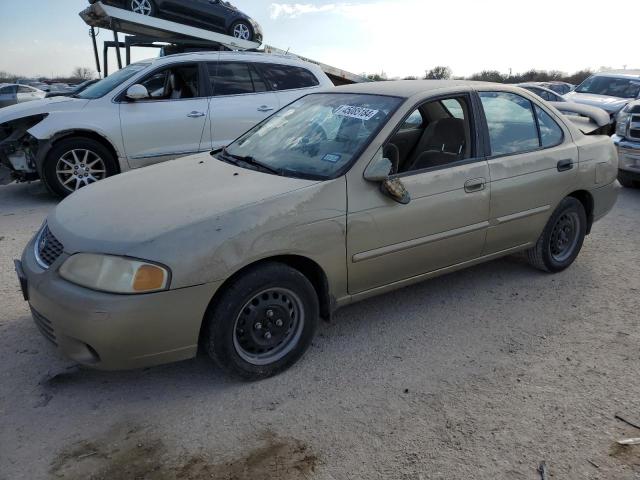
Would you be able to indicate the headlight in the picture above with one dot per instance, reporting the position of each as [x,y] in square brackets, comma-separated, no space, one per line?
[114,274]
[623,122]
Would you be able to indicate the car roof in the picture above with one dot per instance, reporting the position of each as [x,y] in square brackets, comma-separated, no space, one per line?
[619,74]
[409,88]
[212,56]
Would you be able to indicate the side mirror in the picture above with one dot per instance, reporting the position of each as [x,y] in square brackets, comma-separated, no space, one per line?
[137,92]
[379,171]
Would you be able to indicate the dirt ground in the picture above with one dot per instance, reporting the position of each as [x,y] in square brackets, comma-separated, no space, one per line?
[481,374]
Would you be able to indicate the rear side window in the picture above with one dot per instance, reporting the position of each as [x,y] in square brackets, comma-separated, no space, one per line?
[8,90]
[550,132]
[234,78]
[287,77]
[512,126]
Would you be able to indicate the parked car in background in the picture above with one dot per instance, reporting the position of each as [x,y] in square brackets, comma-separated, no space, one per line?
[611,91]
[59,88]
[627,139]
[33,83]
[542,92]
[72,90]
[147,113]
[216,15]
[561,88]
[340,196]
[12,94]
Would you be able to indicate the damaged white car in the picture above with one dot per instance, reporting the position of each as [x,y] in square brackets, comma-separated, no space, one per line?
[147,113]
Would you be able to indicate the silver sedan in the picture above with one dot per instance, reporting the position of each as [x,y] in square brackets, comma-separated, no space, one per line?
[11,94]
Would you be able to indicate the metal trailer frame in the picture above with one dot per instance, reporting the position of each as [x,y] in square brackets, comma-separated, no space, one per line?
[143,31]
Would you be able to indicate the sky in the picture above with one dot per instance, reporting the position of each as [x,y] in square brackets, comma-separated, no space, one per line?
[397,37]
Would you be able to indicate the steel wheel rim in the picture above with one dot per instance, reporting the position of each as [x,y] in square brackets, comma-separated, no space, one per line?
[564,236]
[78,168]
[241,31]
[142,7]
[269,326]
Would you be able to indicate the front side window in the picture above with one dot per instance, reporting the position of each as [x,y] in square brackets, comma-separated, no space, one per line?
[106,85]
[8,90]
[23,89]
[610,86]
[550,132]
[174,83]
[317,136]
[234,78]
[415,121]
[512,126]
[443,138]
[287,77]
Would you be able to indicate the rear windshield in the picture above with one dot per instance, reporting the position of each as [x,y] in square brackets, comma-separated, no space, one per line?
[104,86]
[611,87]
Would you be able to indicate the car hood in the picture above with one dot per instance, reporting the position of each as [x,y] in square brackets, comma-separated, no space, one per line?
[122,213]
[610,104]
[37,107]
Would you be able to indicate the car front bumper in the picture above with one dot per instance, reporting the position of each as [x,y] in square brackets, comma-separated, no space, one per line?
[113,332]
[628,157]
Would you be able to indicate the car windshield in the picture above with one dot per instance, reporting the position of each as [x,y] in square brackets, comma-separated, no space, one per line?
[104,86]
[316,137]
[611,87]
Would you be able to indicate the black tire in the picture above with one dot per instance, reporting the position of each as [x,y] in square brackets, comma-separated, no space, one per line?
[548,254]
[625,181]
[247,25]
[236,320]
[64,149]
[144,7]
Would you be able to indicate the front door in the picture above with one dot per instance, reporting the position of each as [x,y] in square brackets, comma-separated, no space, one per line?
[170,122]
[446,221]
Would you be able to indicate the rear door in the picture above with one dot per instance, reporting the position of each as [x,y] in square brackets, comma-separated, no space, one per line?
[241,100]
[171,122]
[531,162]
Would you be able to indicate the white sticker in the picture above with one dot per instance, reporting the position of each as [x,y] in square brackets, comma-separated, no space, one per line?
[332,157]
[360,113]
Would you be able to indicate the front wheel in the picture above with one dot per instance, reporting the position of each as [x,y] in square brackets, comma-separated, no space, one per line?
[263,322]
[143,7]
[242,30]
[562,238]
[74,163]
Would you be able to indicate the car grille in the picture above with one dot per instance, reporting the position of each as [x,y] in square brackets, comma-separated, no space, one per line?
[48,248]
[44,326]
[634,128]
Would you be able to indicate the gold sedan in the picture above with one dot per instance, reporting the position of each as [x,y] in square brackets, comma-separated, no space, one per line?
[339,196]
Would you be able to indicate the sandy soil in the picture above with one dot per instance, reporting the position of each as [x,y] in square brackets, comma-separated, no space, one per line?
[481,374]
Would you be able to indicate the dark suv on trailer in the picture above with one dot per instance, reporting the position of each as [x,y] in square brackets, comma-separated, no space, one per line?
[216,15]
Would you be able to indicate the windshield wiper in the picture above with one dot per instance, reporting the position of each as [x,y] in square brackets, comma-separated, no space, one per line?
[252,161]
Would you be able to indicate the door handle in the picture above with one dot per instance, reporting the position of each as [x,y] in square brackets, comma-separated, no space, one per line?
[474,185]
[195,114]
[564,165]
[265,108]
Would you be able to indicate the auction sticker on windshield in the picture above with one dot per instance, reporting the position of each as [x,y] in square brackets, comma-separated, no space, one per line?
[360,113]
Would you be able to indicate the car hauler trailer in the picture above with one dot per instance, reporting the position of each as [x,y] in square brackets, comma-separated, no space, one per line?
[172,37]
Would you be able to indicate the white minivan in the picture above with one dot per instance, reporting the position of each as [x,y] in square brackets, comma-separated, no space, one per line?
[148,112]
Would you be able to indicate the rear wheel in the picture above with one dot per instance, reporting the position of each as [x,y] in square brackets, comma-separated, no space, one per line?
[263,322]
[143,7]
[76,162]
[242,30]
[562,238]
